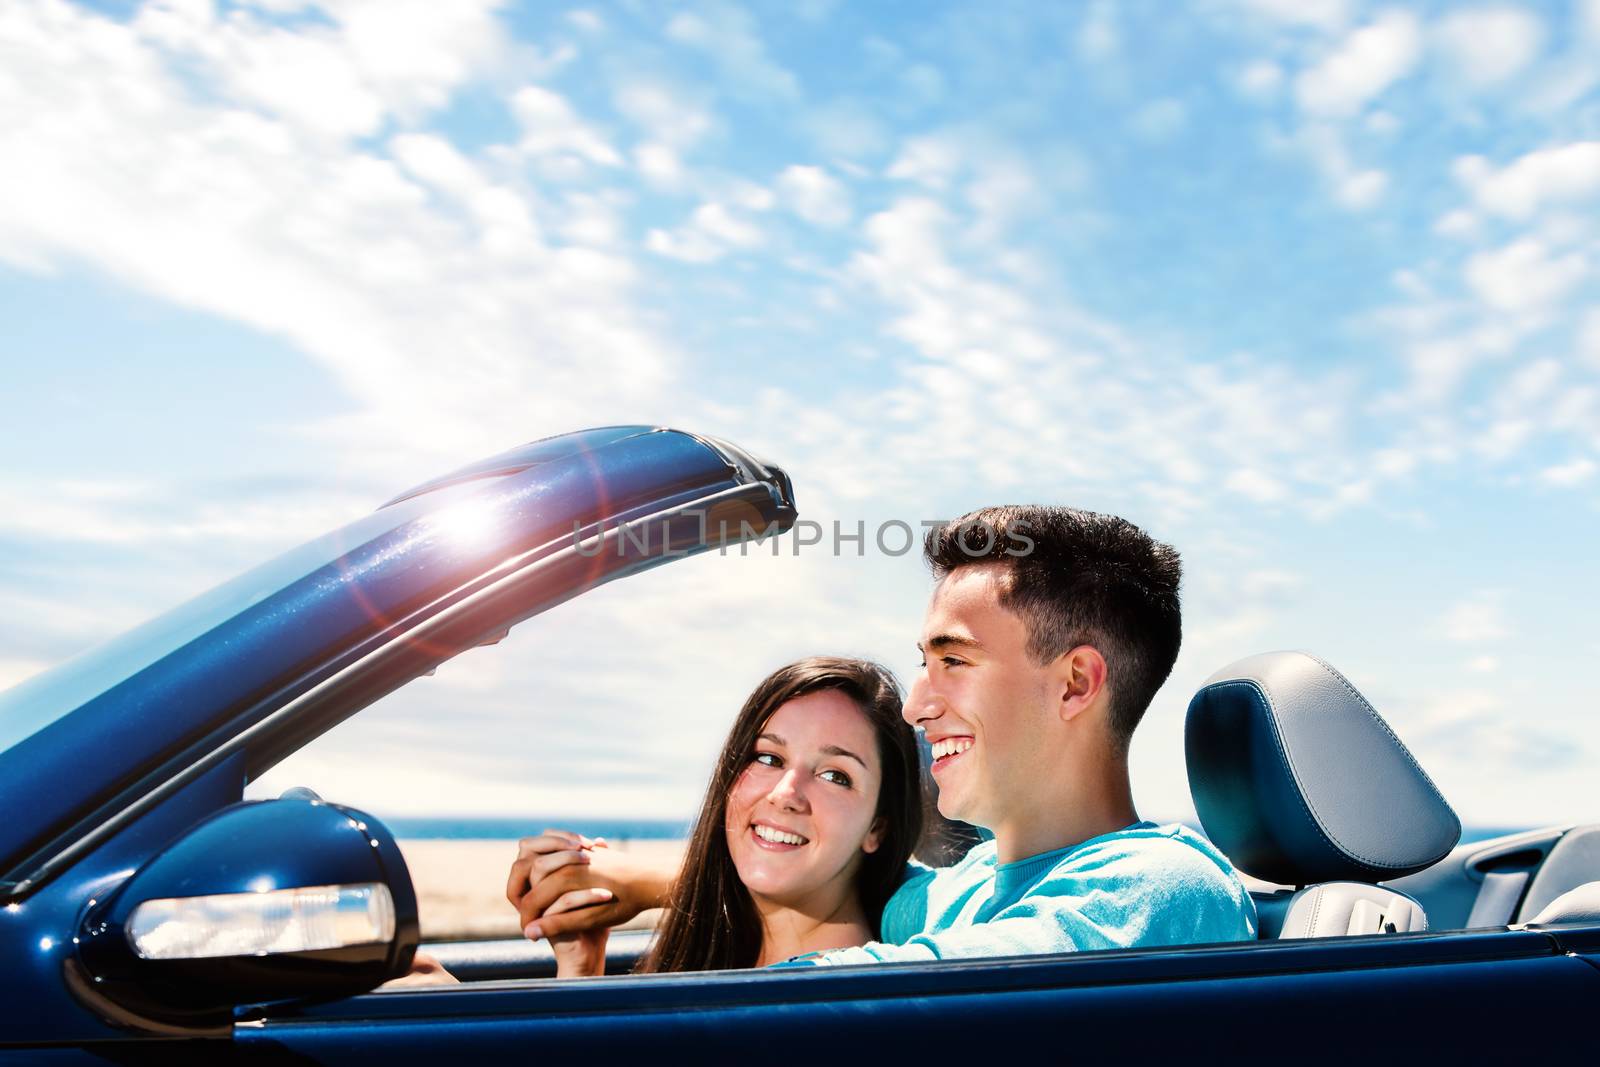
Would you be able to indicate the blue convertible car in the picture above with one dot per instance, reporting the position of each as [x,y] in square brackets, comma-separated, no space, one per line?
[149,914]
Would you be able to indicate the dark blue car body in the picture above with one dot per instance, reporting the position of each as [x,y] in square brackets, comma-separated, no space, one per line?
[117,759]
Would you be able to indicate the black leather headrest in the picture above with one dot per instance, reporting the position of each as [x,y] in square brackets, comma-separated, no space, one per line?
[1298,780]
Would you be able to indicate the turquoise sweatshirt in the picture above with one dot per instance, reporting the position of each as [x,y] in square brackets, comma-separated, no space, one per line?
[1142,886]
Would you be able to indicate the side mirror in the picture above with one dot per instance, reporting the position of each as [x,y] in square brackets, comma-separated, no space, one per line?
[290,899]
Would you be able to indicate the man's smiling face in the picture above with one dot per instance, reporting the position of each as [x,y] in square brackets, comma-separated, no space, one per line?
[986,706]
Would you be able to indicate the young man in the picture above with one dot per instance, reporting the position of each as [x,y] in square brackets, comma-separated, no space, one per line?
[1048,634]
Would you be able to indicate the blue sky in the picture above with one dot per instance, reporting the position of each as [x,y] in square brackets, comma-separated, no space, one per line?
[1306,287]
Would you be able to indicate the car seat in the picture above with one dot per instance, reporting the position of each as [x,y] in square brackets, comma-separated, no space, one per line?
[1300,782]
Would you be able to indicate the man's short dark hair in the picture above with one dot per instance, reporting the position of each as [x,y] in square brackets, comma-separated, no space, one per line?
[1079,578]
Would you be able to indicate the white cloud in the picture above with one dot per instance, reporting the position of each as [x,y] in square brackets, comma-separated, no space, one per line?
[1567,475]
[1503,437]
[1362,190]
[931,161]
[1456,224]
[1354,188]
[1488,45]
[1567,75]
[429,283]
[376,60]
[1255,485]
[1260,79]
[666,115]
[1524,276]
[710,233]
[1551,176]
[1589,338]
[1477,750]
[1322,14]
[551,128]
[1476,621]
[728,37]
[999,184]
[988,353]
[1438,366]
[507,226]
[673,124]
[1528,388]
[153,517]
[660,165]
[814,195]
[1362,66]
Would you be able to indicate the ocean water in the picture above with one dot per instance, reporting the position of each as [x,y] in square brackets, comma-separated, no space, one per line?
[1469,834]
[501,828]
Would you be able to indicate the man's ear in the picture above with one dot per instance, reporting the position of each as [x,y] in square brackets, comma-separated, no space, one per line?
[874,838]
[1079,678]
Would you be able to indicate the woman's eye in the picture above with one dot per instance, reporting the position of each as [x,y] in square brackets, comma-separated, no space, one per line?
[768,759]
[837,777]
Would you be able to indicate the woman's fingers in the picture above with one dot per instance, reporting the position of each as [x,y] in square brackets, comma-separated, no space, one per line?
[554,861]
[523,876]
[560,918]
[550,841]
[597,916]
[578,898]
[544,891]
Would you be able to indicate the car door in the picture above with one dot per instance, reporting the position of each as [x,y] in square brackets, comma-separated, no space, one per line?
[1504,996]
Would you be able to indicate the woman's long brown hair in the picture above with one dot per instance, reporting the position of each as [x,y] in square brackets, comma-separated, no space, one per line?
[711,921]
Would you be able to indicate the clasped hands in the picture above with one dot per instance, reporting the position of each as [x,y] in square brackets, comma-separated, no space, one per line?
[572,889]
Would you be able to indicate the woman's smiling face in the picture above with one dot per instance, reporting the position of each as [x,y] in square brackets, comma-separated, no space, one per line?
[801,813]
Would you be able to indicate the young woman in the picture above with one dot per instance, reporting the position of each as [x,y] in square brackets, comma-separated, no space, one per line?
[813,808]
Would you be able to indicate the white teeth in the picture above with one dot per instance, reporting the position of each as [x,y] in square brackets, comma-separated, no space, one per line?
[778,837]
[951,746]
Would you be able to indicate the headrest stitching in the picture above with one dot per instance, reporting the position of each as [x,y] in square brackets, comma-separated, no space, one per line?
[1299,790]
[1373,712]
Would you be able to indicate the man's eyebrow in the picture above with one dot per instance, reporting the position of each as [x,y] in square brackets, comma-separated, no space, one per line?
[938,641]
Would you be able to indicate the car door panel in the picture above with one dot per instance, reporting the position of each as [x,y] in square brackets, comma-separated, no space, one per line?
[965,1009]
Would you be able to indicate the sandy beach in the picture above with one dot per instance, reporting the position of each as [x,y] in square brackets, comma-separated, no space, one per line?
[461,884]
